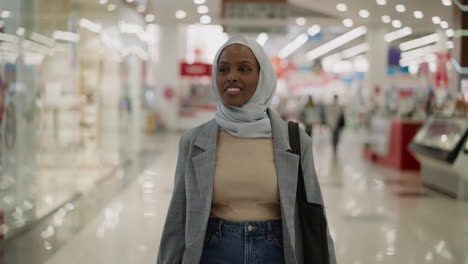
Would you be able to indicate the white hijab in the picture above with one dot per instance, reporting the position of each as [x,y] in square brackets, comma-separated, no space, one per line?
[249,120]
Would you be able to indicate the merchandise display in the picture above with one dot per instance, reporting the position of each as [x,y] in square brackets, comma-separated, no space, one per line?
[388,142]
[441,138]
[438,146]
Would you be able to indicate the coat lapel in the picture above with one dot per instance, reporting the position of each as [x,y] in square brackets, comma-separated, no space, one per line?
[286,164]
[205,161]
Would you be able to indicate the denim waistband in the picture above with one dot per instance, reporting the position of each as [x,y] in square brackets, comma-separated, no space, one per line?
[247,227]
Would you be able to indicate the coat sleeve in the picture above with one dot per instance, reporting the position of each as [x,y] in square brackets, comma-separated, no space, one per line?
[308,167]
[172,244]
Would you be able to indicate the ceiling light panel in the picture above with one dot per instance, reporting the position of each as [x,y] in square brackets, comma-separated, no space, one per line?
[419,42]
[337,42]
[293,45]
[401,33]
[436,20]
[356,50]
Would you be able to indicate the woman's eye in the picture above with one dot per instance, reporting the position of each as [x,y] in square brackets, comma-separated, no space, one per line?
[222,70]
[243,69]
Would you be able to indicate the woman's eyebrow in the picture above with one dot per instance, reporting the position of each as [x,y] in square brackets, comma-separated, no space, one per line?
[239,62]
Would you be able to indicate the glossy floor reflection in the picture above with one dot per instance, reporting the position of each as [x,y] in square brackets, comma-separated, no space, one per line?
[376,214]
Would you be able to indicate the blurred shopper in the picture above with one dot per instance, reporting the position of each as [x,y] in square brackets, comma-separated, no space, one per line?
[310,115]
[336,121]
[235,182]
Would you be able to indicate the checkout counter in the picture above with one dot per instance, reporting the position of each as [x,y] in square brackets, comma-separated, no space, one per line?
[441,147]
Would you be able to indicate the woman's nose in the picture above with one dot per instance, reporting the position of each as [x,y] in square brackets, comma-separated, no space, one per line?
[232,77]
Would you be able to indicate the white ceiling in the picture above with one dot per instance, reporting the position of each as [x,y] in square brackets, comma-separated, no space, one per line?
[323,13]
[165,10]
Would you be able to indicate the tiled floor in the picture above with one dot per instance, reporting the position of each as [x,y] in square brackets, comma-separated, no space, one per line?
[376,214]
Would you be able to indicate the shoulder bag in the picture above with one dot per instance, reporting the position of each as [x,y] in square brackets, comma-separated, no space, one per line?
[312,216]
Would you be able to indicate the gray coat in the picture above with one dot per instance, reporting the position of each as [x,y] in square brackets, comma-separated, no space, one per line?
[187,218]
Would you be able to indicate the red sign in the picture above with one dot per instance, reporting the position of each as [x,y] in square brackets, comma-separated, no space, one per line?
[195,70]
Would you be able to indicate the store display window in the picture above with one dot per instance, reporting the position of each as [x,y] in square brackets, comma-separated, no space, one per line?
[60,84]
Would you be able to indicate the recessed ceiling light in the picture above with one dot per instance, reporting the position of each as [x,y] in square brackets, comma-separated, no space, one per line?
[301,21]
[436,20]
[396,23]
[180,14]
[313,30]
[203,9]
[418,14]
[103,2]
[130,1]
[341,7]
[364,13]
[400,8]
[149,18]
[381,2]
[386,19]
[199,2]
[450,32]
[348,22]
[450,44]
[447,2]
[444,24]
[205,19]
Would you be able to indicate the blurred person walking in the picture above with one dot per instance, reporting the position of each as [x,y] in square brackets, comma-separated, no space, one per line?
[234,198]
[336,121]
[310,115]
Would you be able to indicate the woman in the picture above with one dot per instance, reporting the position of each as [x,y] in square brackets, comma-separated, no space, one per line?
[234,192]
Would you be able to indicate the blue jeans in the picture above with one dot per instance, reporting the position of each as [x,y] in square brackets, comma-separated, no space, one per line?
[228,242]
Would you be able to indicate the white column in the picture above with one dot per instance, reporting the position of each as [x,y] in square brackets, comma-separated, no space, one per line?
[378,60]
[135,83]
[171,53]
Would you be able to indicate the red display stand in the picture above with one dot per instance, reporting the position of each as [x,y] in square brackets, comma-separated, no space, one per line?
[398,155]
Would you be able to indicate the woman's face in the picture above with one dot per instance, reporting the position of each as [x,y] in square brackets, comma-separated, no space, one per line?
[237,75]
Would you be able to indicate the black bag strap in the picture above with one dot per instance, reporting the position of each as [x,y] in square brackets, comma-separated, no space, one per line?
[295,142]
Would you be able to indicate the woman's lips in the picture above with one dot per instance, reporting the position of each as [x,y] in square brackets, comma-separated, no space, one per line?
[232,91]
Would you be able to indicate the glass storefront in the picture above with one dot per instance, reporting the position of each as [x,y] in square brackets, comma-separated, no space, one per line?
[62,99]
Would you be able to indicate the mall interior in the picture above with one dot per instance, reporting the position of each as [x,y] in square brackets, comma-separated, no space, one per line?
[95,95]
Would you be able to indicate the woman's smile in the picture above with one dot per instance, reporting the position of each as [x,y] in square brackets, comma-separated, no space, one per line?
[232,91]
